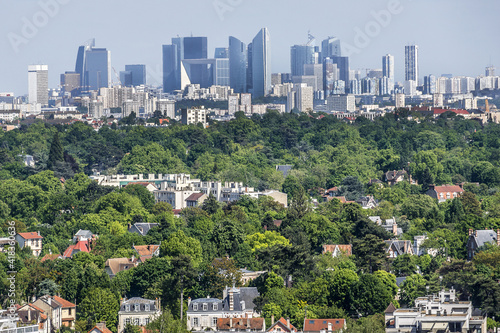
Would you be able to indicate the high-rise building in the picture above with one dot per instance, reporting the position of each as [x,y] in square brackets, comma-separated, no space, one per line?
[388,71]
[221,52]
[81,60]
[170,68]
[301,55]
[192,48]
[330,47]
[343,66]
[301,98]
[315,70]
[38,84]
[261,64]
[429,84]
[138,74]
[97,68]
[330,75]
[411,63]
[70,82]
[490,71]
[126,78]
[237,65]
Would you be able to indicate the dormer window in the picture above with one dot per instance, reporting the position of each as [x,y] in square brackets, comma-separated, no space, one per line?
[127,308]
[205,307]
[215,306]
[137,307]
[146,307]
[195,307]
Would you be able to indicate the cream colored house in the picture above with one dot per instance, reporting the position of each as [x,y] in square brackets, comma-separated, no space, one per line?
[31,239]
[137,311]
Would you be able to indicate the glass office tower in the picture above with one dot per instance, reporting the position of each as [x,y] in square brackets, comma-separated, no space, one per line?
[261,64]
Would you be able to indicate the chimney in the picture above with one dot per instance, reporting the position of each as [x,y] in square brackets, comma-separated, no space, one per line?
[39,233]
[231,322]
[470,232]
[248,323]
[329,326]
[272,319]
[288,322]
[498,237]
[189,301]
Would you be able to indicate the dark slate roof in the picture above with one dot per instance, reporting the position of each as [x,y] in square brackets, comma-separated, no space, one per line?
[208,301]
[84,233]
[485,236]
[399,245]
[142,304]
[390,309]
[142,228]
[400,280]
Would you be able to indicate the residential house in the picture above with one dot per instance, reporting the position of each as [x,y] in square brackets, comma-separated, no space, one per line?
[336,250]
[83,235]
[100,328]
[29,314]
[53,310]
[247,275]
[241,324]
[51,256]
[137,311]
[436,313]
[145,252]
[31,239]
[10,325]
[389,225]
[284,169]
[394,177]
[141,228]
[367,202]
[115,265]
[479,238]
[202,313]
[68,312]
[395,248]
[281,326]
[80,246]
[445,192]
[196,199]
[324,325]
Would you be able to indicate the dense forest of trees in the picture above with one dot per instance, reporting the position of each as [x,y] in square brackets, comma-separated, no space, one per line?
[57,198]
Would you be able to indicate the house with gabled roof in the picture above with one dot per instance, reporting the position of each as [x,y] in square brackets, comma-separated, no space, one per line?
[80,246]
[324,325]
[29,314]
[479,239]
[31,239]
[444,192]
[281,326]
[100,328]
[147,250]
[141,228]
[395,248]
[51,256]
[336,249]
[53,310]
[115,265]
[68,312]
[196,199]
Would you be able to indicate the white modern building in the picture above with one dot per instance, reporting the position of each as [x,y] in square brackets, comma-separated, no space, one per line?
[38,84]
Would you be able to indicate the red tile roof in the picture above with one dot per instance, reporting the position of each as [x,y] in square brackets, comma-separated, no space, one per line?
[316,325]
[146,250]
[30,235]
[80,246]
[283,325]
[51,257]
[347,249]
[64,303]
[457,111]
[448,188]
[102,329]
[240,324]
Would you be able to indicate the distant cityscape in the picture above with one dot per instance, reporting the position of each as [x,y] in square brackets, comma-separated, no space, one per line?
[320,80]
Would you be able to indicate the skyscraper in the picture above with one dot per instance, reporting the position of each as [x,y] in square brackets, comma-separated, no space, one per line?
[330,47]
[411,63]
[138,74]
[221,52]
[330,75]
[188,48]
[170,68]
[97,68]
[261,63]
[38,84]
[388,71]
[80,60]
[343,66]
[70,82]
[237,65]
[301,55]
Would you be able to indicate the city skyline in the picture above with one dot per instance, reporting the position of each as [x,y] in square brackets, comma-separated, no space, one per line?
[463,20]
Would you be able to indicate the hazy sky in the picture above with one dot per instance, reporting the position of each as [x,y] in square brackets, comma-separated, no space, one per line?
[455,36]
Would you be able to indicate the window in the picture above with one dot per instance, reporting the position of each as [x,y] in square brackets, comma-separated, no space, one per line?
[137,307]
[136,321]
[195,307]
[214,321]
[146,307]
[69,311]
[148,321]
[127,321]
[215,307]
[205,307]
[127,308]
[195,321]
